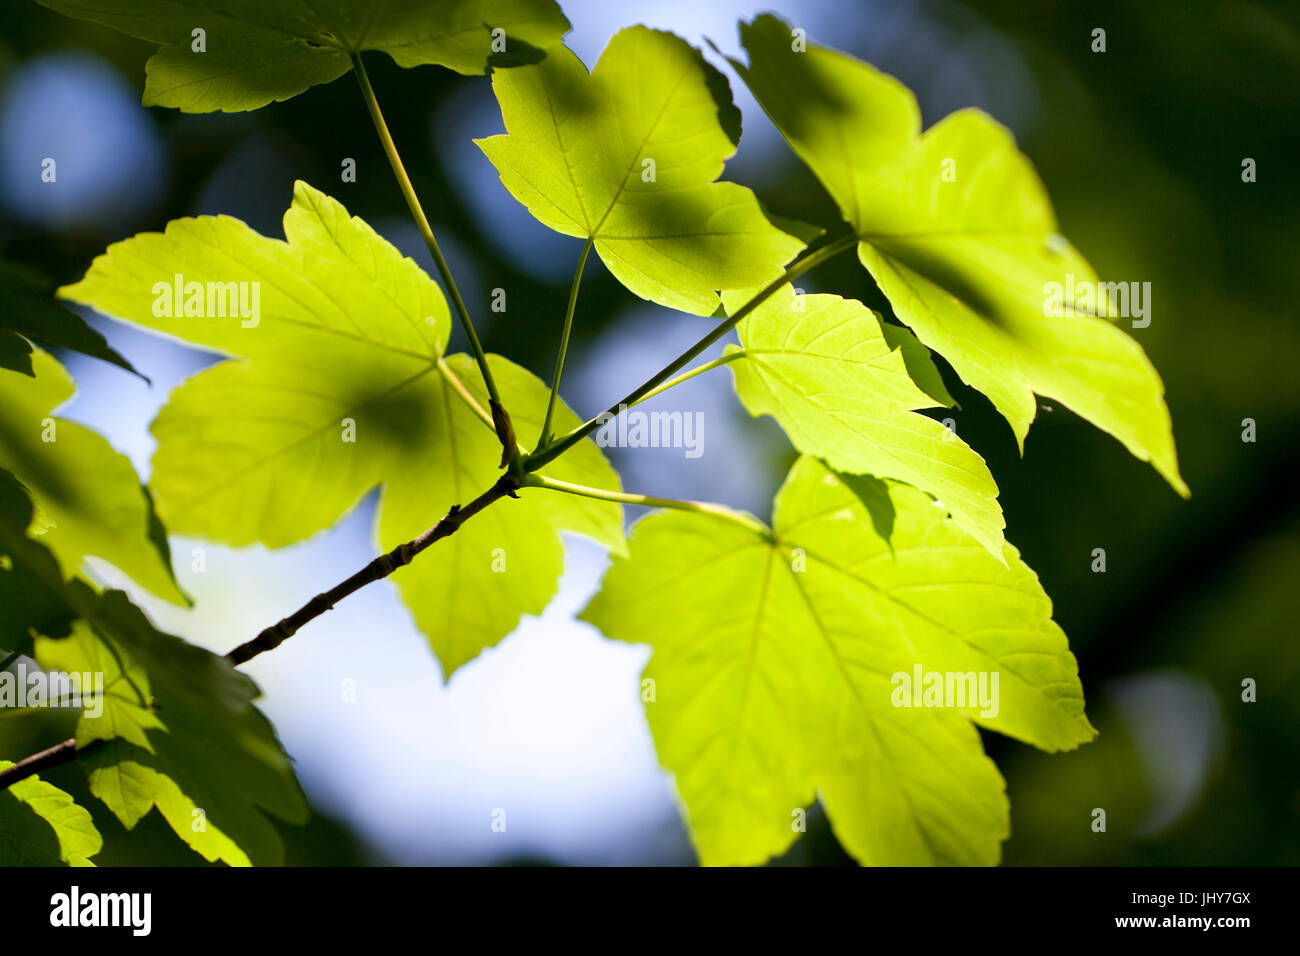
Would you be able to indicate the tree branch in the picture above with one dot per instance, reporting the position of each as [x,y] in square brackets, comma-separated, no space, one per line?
[506,486]
[60,753]
[381,567]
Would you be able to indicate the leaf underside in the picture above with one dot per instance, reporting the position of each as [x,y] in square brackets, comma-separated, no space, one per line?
[957,230]
[256,52]
[823,367]
[776,680]
[340,387]
[627,157]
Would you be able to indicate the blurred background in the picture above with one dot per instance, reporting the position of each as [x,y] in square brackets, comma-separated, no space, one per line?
[1141,148]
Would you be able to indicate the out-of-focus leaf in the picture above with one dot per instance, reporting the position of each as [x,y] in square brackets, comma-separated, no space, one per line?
[40,825]
[253,52]
[28,313]
[182,735]
[89,494]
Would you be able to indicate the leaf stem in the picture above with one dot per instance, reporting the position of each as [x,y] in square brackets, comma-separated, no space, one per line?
[691,373]
[454,381]
[422,223]
[553,450]
[649,501]
[545,435]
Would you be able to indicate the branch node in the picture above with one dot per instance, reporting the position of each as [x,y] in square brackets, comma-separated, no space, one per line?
[505,430]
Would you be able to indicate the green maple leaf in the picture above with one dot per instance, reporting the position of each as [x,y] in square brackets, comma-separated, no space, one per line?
[127,700]
[182,735]
[40,825]
[28,315]
[824,369]
[256,52]
[774,668]
[576,152]
[173,725]
[31,592]
[348,345]
[90,496]
[966,259]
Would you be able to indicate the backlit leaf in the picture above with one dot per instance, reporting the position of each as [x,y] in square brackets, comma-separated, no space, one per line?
[822,367]
[958,231]
[627,156]
[254,52]
[775,670]
[340,386]
[183,735]
[40,825]
[172,725]
[89,493]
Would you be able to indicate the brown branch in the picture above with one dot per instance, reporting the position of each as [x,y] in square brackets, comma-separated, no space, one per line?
[506,486]
[60,753]
[381,567]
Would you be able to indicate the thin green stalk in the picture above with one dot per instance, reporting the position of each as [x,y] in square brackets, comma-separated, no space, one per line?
[627,498]
[454,381]
[545,436]
[553,450]
[691,373]
[422,222]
